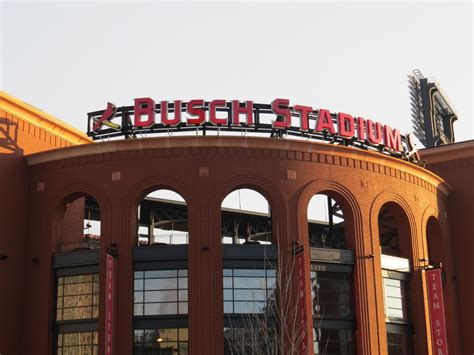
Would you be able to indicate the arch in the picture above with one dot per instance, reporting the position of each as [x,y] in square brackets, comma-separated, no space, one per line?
[162,219]
[263,187]
[354,240]
[153,183]
[69,194]
[350,209]
[402,210]
[247,223]
[435,242]
[396,275]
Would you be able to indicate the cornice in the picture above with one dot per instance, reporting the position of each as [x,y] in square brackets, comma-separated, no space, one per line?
[42,120]
[251,147]
[450,152]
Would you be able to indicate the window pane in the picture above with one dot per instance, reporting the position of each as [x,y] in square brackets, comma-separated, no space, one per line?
[161,296]
[160,308]
[333,341]
[160,284]
[161,341]
[249,272]
[78,298]
[78,343]
[183,283]
[396,297]
[161,274]
[399,343]
[332,294]
[249,283]
[228,307]
[183,295]
[250,340]
[183,307]
[163,291]
[249,295]
[249,290]
[138,285]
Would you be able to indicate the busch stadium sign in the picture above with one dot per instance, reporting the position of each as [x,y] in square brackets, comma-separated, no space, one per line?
[277,120]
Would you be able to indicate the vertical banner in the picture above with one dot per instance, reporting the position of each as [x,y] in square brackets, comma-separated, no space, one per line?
[436,308]
[303,321]
[109,303]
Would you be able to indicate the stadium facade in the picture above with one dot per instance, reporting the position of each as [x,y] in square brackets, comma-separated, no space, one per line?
[392,275]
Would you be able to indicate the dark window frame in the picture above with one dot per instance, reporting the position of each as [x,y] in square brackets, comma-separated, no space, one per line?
[73,264]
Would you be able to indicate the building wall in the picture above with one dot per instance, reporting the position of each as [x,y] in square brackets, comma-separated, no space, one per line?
[455,164]
[23,130]
[204,170]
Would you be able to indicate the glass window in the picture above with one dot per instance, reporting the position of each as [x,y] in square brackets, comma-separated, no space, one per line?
[160,292]
[85,343]
[167,341]
[332,294]
[77,297]
[397,298]
[253,339]
[333,341]
[248,290]
[399,343]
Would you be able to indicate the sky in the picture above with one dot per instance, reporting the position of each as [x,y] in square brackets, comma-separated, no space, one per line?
[69,58]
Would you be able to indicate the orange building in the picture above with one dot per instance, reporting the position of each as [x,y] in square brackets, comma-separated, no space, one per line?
[219,275]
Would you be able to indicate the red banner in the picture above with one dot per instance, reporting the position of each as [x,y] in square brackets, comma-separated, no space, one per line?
[109,303]
[303,321]
[436,309]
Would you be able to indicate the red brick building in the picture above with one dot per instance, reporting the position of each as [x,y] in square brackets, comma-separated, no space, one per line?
[364,278]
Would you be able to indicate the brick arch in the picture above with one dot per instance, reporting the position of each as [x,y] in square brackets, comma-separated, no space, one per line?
[410,224]
[148,185]
[351,209]
[429,213]
[70,193]
[259,184]
[354,237]
[413,239]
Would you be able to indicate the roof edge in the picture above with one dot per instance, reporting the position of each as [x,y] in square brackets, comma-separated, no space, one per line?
[37,117]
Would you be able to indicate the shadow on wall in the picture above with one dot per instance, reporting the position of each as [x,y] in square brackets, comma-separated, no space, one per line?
[9,136]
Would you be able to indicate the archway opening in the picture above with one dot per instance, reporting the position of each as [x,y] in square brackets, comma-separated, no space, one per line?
[396,261]
[162,219]
[331,273]
[326,227]
[249,274]
[246,218]
[435,242]
[79,226]
[160,265]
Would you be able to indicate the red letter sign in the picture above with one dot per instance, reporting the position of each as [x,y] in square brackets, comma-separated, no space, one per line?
[212,112]
[304,111]
[374,138]
[177,113]
[281,111]
[392,138]
[198,111]
[361,129]
[345,125]
[325,122]
[144,106]
[247,109]
[436,305]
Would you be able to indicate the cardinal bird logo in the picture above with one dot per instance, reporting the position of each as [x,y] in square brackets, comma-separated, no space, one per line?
[106,117]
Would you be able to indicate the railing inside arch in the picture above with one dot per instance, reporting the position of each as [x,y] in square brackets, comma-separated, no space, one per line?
[275,120]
